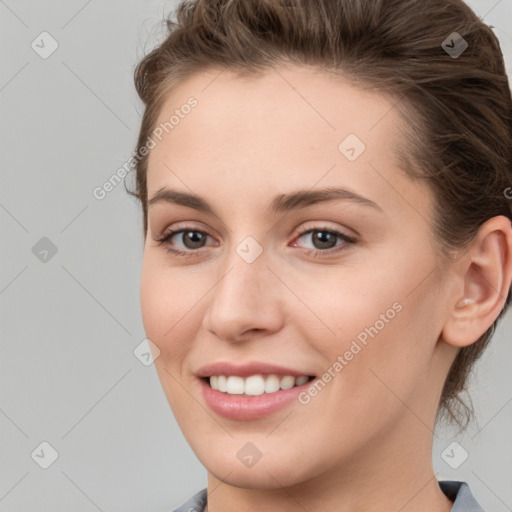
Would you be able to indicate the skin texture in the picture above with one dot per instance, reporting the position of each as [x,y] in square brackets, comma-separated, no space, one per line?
[365,440]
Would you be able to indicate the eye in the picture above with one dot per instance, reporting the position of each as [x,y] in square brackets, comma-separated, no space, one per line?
[193,239]
[325,239]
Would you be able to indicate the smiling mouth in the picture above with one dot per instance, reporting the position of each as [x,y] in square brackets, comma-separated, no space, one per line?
[255,385]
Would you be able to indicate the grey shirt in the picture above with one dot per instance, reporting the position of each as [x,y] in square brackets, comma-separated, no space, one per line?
[458,492]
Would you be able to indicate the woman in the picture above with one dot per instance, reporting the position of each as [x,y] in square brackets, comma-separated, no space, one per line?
[328,242]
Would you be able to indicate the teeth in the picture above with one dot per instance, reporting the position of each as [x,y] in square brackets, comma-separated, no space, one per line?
[235,385]
[222,383]
[255,385]
[301,380]
[272,384]
[287,382]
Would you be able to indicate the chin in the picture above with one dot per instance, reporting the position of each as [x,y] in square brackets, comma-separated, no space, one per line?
[265,476]
[273,470]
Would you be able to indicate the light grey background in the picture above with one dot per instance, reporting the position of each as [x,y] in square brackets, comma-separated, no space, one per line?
[69,326]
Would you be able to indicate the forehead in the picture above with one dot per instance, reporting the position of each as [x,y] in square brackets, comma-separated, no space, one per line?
[297,100]
[288,126]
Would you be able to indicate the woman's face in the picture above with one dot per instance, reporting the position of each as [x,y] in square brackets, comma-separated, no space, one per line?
[267,288]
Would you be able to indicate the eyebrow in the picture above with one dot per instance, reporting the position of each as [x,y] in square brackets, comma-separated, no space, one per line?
[281,203]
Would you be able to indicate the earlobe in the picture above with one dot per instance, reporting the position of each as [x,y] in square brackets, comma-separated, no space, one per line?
[486,275]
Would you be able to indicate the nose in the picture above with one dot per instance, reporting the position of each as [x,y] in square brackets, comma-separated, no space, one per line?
[246,301]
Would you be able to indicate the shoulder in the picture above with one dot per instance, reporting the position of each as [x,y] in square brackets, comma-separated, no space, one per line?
[461,495]
[196,503]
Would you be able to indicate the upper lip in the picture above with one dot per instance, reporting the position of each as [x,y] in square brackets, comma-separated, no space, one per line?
[245,370]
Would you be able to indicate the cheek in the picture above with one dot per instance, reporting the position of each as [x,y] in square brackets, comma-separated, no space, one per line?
[164,309]
[165,320]
[381,337]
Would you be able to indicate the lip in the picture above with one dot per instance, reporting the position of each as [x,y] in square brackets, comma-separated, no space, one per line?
[245,370]
[246,408]
[243,407]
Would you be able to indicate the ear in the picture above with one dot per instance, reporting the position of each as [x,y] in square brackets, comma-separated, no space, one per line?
[484,274]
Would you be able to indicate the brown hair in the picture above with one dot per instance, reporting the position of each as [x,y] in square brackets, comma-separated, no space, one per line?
[457,108]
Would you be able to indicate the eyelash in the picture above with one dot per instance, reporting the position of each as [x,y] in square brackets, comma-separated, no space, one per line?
[312,252]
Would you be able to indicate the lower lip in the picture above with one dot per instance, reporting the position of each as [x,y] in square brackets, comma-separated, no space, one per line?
[243,407]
